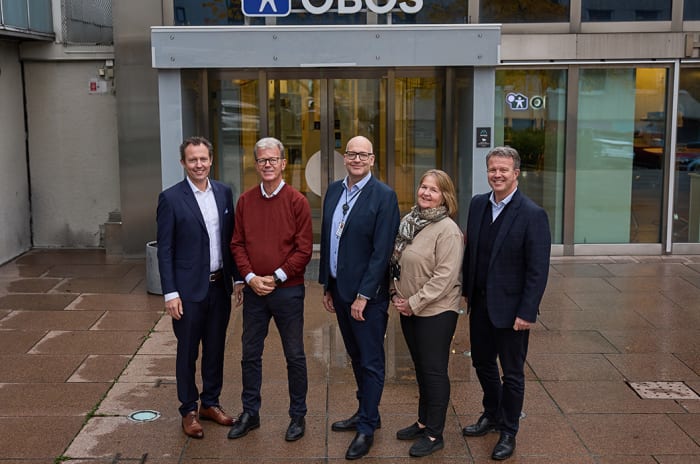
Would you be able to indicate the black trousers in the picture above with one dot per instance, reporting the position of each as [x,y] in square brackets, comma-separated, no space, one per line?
[428,340]
[503,398]
[286,306]
[202,322]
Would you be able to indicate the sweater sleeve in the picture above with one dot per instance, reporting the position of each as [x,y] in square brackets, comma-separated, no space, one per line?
[296,261]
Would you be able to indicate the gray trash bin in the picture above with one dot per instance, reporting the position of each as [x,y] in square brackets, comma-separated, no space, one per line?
[152,273]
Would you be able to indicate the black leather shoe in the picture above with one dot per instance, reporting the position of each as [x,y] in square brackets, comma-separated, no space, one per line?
[425,446]
[411,432]
[483,426]
[350,424]
[243,425]
[504,448]
[359,446]
[296,429]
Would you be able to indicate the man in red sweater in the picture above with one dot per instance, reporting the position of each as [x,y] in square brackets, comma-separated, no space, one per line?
[272,244]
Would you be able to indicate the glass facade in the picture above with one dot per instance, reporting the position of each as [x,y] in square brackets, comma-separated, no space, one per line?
[626,10]
[620,155]
[523,11]
[686,209]
[531,117]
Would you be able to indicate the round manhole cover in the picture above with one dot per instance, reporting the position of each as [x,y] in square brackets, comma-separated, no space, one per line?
[144,416]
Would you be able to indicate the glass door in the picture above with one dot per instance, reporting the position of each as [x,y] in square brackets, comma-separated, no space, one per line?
[314,115]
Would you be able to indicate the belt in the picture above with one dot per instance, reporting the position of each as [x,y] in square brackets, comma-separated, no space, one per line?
[216,275]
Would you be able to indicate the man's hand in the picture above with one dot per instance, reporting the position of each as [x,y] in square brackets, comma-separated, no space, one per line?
[238,293]
[174,308]
[521,324]
[262,285]
[358,308]
[328,302]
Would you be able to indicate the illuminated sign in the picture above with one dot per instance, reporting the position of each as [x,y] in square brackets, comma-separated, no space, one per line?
[284,7]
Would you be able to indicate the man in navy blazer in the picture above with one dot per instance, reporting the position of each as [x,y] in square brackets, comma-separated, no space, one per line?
[505,270]
[360,221]
[195,223]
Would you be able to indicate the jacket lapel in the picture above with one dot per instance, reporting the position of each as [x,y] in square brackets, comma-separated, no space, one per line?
[191,202]
[509,215]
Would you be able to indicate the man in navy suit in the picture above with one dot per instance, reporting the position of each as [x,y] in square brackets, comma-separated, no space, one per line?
[360,221]
[195,224]
[504,277]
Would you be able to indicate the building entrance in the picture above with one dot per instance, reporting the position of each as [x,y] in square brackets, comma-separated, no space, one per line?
[315,114]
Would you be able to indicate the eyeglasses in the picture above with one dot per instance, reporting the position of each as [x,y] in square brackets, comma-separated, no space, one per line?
[264,161]
[363,155]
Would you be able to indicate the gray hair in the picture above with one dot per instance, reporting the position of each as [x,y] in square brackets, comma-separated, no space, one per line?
[268,142]
[505,152]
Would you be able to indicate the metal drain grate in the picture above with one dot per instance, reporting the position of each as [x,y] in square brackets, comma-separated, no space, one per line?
[664,390]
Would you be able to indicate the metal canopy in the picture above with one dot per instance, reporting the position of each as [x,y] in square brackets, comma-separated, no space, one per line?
[325,46]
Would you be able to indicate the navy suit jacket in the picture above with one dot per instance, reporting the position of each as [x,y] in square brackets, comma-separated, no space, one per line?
[519,262]
[183,242]
[367,241]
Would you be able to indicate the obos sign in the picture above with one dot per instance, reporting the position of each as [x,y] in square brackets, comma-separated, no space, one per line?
[284,7]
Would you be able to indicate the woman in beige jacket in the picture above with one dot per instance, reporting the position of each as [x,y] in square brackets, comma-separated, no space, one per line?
[426,291]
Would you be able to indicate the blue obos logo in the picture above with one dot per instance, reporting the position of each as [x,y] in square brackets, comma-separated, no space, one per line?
[267,7]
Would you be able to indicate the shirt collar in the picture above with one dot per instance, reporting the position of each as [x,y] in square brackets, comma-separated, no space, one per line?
[277,190]
[359,185]
[194,187]
[505,201]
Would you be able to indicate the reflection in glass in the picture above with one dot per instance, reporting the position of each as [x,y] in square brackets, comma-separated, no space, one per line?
[531,117]
[686,210]
[523,11]
[209,13]
[620,155]
[625,10]
[433,12]
[235,126]
[418,127]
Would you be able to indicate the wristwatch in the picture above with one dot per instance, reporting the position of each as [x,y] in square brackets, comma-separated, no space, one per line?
[278,281]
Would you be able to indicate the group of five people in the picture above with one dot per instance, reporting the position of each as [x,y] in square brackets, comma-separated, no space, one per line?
[370,258]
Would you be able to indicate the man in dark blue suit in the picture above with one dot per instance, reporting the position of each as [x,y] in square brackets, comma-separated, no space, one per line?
[504,277]
[195,224]
[360,221]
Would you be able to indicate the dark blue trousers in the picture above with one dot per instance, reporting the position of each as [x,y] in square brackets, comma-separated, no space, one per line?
[503,399]
[206,322]
[364,342]
[286,306]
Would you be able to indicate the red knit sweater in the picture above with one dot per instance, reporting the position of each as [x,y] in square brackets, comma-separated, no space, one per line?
[273,233]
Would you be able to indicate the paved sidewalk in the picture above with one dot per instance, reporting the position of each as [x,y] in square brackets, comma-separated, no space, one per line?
[83,346]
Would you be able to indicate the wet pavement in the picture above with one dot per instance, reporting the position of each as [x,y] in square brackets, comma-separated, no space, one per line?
[83,346]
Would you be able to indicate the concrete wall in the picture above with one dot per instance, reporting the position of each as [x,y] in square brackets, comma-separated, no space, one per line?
[74,158]
[15,233]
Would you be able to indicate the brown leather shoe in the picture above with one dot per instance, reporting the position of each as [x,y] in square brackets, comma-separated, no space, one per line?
[191,425]
[216,414]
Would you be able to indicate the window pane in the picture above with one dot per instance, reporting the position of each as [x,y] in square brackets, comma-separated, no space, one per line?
[620,156]
[531,117]
[523,11]
[40,16]
[15,13]
[213,13]
[691,10]
[434,12]
[625,10]
[686,213]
